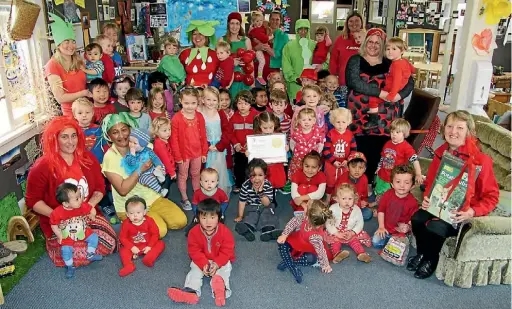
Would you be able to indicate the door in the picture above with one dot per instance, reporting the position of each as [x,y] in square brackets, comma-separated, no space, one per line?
[381,14]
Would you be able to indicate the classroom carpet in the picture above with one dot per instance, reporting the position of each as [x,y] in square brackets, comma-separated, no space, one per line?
[255,281]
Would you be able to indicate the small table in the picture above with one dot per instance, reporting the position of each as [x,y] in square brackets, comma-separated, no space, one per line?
[429,68]
[141,67]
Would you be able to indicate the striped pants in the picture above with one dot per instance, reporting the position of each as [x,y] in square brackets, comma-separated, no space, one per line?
[149,180]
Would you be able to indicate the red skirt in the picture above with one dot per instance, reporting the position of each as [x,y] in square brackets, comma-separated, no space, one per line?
[107,244]
[300,246]
[276,175]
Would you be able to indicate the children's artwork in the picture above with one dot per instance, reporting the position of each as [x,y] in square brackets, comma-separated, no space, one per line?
[32,150]
[483,43]
[136,48]
[267,6]
[244,6]
[181,12]
[112,13]
[72,9]
[157,15]
[10,157]
[8,208]
[22,173]
[495,10]
[106,12]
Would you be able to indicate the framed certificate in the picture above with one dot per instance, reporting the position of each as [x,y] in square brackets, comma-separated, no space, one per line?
[271,148]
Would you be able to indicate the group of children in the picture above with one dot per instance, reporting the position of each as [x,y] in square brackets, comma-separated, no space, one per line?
[207,139]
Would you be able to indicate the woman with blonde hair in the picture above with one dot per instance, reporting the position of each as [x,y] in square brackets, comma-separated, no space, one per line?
[345,46]
[63,70]
[481,196]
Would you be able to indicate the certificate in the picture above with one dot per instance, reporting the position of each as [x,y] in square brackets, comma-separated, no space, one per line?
[271,148]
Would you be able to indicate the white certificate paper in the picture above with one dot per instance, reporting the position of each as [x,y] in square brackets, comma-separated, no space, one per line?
[271,148]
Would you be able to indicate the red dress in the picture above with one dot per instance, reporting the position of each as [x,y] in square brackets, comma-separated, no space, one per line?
[199,73]
[306,185]
[299,240]
[276,175]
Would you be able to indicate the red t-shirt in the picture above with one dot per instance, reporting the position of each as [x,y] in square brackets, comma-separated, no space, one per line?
[72,82]
[338,145]
[393,155]
[101,112]
[341,51]
[109,72]
[397,210]
[72,223]
[399,73]
[361,185]
[305,185]
[140,236]
[219,196]
[225,72]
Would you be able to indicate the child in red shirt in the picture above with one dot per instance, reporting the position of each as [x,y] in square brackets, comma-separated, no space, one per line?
[339,143]
[189,144]
[138,236]
[263,35]
[100,97]
[395,152]
[308,183]
[396,207]
[323,44]
[211,246]
[241,125]
[224,75]
[356,177]
[209,189]
[157,106]
[399,73]
[160,131]
[107,47]
[68,222]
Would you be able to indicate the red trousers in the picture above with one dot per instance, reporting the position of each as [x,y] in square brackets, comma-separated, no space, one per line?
[148,260]
[332,173]
[353,243]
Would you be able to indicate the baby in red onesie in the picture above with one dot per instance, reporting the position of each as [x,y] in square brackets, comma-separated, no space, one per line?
[139,236]
[399,73]
[262,34]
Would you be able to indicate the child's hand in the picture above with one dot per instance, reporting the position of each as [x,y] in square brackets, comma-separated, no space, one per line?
[281,239]
[146,250]
[146,166]
[381,232]
[419,179]
[287,148]
[364,204]
[135,250]
[426,203]
[337,164]
[59,238]
[61,225]
[247,154]
[92,214]
[344,163]
[206,270]
[212,148]
[173,176]
[327,269]
[203,159]
[239,218]
[179,162]
[339,235]
[213,268]
[297,200]
[238,147]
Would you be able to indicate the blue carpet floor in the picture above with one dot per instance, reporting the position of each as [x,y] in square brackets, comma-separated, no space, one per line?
[255,281]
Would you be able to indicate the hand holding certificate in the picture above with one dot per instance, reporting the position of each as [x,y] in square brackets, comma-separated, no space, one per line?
[271,148]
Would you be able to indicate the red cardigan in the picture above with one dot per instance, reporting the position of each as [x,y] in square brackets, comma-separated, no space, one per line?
[164,153]
[109,72]
[42,185]
[487,192]
[227,132]
[341,51]
[179,138]
[242,126]
[222,246]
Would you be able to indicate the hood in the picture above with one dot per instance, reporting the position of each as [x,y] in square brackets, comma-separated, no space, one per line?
[302,23]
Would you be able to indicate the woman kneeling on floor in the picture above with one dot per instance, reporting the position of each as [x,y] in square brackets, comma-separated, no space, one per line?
[481,196]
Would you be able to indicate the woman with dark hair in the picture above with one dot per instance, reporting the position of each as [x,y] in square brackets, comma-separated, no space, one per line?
[345,46]
[235,37]
[65,160]
[365,76]
[481,196]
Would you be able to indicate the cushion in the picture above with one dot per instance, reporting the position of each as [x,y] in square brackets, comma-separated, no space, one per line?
[500,139]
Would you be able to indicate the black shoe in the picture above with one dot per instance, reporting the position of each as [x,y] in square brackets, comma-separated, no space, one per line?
[373,122]
[425,270]
[270,233]
[414,262]
[245,230]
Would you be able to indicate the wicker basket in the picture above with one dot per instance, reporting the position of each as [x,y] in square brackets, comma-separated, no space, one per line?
[26,14]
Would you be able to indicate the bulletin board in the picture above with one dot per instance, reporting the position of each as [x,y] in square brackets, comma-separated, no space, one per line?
[290,10]
[71,8]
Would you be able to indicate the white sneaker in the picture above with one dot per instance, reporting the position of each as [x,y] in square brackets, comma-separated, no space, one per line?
[186,205]
[164,192]
[159,174]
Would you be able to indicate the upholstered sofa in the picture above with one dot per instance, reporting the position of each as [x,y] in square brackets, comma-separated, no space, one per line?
[481,253]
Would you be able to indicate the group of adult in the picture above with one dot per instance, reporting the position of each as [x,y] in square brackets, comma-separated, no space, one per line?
[361,69]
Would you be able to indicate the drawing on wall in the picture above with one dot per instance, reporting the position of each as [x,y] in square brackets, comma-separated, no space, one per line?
[22,173]
[278,5]
[181,12]
[32,150]
[10,157]
[136,48]
[8,208]
[483,42]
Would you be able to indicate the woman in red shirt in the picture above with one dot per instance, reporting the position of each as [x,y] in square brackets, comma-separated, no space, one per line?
[66,160]
[481,197]
[345,46]
[64,70]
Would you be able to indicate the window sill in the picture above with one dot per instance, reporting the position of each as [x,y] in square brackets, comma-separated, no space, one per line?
[21,135]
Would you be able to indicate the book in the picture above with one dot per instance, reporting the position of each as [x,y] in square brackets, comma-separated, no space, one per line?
[441,205]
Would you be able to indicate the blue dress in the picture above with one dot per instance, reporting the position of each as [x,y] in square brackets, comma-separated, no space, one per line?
[215,159]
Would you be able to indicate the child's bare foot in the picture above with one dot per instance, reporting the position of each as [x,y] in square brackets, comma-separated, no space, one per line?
[340,256]
[364,257]
[219,290]
[128,269]
[187,296]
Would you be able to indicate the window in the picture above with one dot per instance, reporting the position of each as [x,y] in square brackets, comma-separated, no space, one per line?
[23,93]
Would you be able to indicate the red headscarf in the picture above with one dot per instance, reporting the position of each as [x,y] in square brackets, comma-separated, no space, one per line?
[378,32]
[50,142]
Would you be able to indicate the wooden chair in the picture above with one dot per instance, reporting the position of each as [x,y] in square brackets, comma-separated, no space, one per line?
[420,113]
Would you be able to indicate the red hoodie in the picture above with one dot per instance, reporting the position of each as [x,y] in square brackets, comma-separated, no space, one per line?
[341,51]
[487,192]
[220,249]
[399,73]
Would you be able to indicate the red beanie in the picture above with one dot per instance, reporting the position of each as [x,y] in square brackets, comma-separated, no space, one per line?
[235,15]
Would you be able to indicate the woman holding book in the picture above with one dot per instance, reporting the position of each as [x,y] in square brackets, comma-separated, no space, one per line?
[481,196]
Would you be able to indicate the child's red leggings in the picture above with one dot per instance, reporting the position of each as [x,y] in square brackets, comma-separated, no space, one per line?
[353,243]
[148,260]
